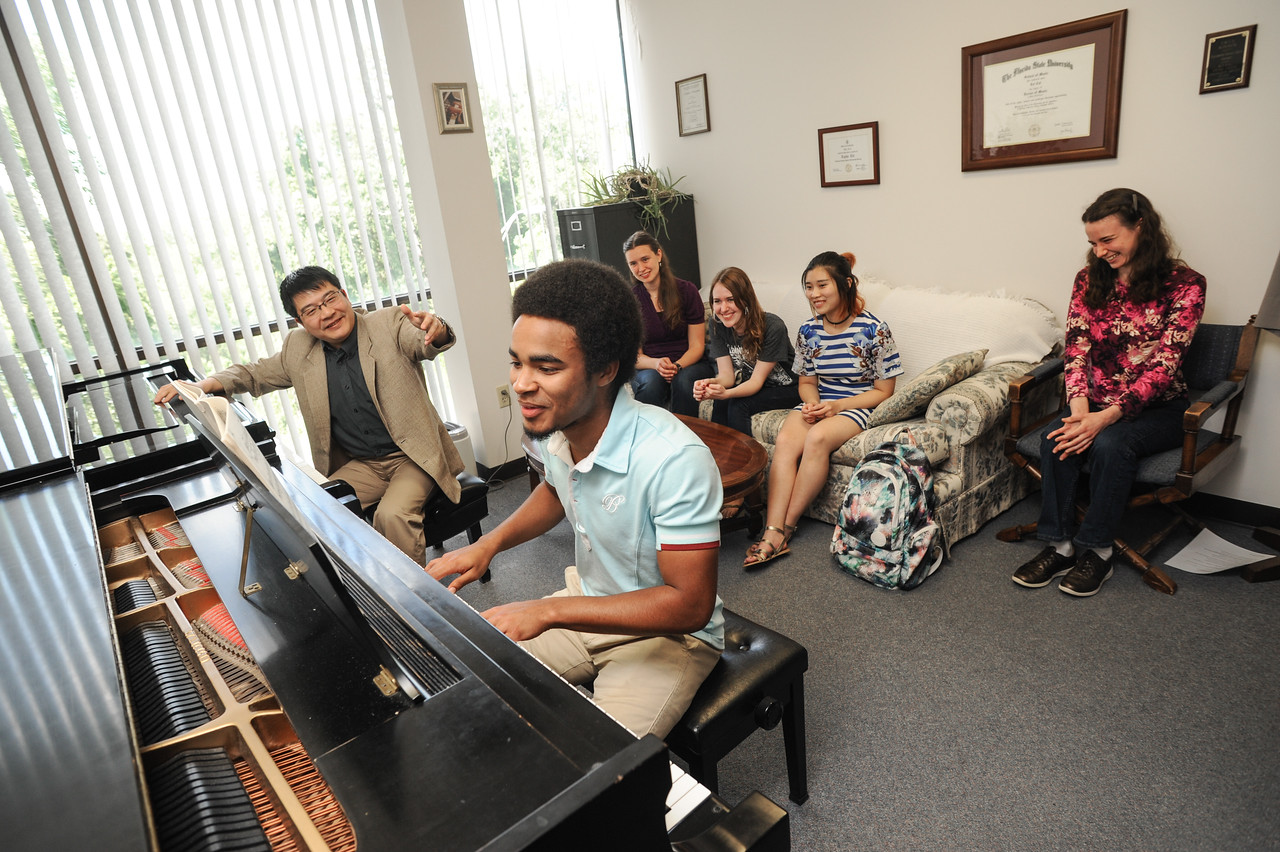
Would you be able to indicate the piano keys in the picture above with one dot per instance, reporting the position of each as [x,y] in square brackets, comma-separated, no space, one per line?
[234,670]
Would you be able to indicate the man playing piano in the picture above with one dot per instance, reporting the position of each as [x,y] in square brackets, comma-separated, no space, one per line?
[369,418]
[639,617]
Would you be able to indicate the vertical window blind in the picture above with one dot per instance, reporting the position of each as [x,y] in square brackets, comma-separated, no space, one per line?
[167,162]
[554,94]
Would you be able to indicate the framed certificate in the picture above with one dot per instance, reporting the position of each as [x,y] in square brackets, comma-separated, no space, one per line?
[692,110]
[849,155]
[1048,96]
[1228,58]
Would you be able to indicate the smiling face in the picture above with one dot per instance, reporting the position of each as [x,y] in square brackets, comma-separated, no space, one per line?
[555,391]
[822,292]
[1114,242]
[725,307]
[644,262]
[326,314]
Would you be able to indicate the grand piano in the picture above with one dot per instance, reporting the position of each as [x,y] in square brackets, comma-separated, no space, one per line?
[200,648]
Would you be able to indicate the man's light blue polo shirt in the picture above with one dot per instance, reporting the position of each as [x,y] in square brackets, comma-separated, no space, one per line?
[650,485]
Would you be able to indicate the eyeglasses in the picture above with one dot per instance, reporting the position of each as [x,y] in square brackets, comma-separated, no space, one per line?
[311,311]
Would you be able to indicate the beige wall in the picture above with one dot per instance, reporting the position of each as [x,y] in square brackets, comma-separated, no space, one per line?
[1208,162]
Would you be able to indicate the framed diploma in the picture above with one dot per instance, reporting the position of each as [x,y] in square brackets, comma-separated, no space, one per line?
[691,105]
[1048,96]
[1228,58]
[850,155]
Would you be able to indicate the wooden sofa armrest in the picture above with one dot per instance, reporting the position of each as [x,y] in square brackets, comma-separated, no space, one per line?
[1020,391]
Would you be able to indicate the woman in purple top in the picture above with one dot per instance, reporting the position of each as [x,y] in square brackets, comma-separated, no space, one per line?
[1134,309]
[675,329]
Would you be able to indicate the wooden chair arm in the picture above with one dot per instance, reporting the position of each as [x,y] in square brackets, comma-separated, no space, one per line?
[1020,390]
[1224,393]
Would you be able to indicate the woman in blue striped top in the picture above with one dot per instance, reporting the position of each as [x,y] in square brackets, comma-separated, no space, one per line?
[847,363]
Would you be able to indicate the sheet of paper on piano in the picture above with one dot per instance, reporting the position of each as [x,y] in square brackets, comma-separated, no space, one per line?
[215,415]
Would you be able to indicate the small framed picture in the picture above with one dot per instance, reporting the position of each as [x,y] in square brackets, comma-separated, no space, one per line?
[1228,58]
[453,107]
[692,111]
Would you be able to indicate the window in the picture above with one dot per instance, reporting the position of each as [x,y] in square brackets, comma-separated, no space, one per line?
[165,164]
[554,95]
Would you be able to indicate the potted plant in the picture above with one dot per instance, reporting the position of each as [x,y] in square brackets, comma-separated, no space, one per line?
[636,197]
[653,190]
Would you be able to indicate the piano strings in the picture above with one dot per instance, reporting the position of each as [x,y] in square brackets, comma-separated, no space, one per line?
[207,720]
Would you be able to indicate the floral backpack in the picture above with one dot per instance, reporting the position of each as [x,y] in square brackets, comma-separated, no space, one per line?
[886,533]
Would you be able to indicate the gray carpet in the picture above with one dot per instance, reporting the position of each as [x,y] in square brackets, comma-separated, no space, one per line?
[971,713]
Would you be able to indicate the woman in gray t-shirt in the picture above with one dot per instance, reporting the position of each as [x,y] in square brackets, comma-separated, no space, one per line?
[752,352]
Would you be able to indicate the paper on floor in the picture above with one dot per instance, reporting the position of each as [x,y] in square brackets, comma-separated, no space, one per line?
[1209,554]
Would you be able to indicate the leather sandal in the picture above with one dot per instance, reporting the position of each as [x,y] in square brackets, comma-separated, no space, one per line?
[763,550]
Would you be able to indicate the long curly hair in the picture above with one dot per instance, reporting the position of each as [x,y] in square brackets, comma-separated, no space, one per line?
[668,295]
[1154,257]
[840,267]
[751,328]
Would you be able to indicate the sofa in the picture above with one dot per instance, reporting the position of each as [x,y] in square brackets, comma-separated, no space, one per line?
[959,352]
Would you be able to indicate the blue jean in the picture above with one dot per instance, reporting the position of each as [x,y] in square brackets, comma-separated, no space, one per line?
[736,413]
[650,387]
[1113,460]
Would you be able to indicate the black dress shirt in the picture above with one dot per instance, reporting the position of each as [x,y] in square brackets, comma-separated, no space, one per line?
[353,418]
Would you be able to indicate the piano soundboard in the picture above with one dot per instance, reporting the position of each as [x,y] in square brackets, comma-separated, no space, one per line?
[210,663]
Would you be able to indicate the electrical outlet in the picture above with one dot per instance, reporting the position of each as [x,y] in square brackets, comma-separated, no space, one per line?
[504,396]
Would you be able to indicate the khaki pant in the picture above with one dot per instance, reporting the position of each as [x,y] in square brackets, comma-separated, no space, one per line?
[644,682]
[400,488]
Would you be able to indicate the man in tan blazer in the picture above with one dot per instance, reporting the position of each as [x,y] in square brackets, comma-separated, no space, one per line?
[364,399]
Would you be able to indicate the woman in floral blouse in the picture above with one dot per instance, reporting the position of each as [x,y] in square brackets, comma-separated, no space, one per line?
[1134,309]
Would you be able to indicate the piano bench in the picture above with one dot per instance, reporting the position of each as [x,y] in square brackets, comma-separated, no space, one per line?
[758,682]
[442,519]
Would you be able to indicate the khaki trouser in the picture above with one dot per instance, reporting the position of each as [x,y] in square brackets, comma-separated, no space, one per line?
[400,488]
[644,682]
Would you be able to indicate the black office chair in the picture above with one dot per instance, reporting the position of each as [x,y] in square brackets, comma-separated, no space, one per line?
[1215,366]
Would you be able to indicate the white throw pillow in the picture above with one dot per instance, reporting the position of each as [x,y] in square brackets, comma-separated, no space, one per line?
[929,326]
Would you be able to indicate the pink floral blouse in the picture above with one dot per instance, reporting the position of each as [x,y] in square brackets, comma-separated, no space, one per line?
[1128,354]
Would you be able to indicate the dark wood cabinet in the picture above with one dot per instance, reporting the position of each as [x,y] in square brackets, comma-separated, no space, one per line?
[597,233]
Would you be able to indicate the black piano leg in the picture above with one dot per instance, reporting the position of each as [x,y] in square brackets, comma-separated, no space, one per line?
[704,770]
[793,739]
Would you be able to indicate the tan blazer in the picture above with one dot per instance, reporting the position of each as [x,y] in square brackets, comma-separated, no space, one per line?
[391,349]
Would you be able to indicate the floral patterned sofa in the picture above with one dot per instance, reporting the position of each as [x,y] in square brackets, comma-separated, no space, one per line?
[959,353]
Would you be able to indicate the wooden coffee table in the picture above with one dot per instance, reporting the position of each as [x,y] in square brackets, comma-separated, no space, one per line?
[742,461]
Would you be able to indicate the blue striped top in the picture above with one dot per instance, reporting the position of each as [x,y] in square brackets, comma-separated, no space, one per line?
[850,362]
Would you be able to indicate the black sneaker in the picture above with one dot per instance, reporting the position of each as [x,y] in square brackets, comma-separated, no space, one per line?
[1087,577]
[1039,572]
